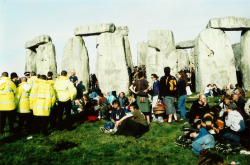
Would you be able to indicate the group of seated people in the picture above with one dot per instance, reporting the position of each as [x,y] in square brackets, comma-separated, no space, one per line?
[227,120]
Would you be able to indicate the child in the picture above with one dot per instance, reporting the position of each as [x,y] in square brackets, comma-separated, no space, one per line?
[202,141]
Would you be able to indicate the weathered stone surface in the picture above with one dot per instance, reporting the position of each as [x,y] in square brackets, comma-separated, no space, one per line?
[237,56]
[185,44]
[156,62]
[229,23]
[161,40]
[42,39]
[76,59]
[245,59]
[191,58]
[122,30]
[94,29]
[111,67]
[183,59]
[46,59]
[30,64]
[214,60]
[128,53]
[142,50]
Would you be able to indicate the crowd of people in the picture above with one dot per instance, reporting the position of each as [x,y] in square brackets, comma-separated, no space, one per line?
[38,101]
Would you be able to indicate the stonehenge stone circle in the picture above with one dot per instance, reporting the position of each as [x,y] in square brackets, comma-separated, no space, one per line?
[41,55]
[94,29]
[214,60]
[237,55]
[75,59]
[245,58]
[183,58]
[111,66]
[39,40]
[229,23]
[142,50]
[46,59]
[185,44]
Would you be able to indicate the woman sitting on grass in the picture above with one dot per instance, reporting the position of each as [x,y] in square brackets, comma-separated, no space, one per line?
[136,126]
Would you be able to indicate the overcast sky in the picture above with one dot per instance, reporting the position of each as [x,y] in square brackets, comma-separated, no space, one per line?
[22,20]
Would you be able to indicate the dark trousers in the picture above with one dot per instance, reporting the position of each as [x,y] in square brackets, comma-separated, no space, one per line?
[41,124]
[11,119]
[131,128]
[53,117]
[67,106]
[24,118]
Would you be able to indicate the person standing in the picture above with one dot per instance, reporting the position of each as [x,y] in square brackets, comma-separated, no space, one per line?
[14,78]
[33,79]
[73,78]
[23,104]
[141,90]
[7,102]
[167,92]
[42,100]
[65,93]
[182,93]
[154,77]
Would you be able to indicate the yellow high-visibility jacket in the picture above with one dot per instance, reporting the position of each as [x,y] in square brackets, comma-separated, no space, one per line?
[65,89]
[7,94]
[23,97]
[32,81]
[42,98]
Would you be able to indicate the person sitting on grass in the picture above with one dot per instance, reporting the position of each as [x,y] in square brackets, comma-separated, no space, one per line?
[202,141]
[116,114]
[198,109]
[133,124]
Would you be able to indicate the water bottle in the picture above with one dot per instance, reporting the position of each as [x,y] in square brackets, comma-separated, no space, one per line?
[99,115]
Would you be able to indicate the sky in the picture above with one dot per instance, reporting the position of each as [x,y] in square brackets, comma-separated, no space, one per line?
[23,20]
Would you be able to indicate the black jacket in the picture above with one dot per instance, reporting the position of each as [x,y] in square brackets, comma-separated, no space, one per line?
[181,88]
[197,111]
[164,89]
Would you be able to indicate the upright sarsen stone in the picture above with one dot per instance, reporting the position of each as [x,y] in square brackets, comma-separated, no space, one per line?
[75,58]
[46,59]
[237,55]
[183,58]
[111,67]
[214,60]
[30,64]
[142,48]
[245,58]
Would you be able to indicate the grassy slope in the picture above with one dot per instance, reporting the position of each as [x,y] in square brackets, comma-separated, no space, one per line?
[155,147]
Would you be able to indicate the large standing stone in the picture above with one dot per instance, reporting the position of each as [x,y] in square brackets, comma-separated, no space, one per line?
[185,44]
[245,58]
[191,58]
[237,56]
[183,59]
[111,67]
[75,58]
[229,23]
[94,29]
[42,39]
[142,50]
[161,40]
[156,62]
[214,60]
[30,64]
[46,59]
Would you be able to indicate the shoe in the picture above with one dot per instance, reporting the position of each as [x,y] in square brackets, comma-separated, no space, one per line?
[104,130]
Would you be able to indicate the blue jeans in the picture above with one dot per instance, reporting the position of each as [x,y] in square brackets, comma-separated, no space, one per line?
[109,125]
[182,106]
[207,140]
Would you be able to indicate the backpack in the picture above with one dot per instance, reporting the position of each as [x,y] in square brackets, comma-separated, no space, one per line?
[171,84]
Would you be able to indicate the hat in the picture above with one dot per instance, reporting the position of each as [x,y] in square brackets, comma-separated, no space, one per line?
[26,73]
[232,106]
[13,75]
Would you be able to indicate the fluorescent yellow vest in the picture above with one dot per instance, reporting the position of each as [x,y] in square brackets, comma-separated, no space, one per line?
[65,90]
[23,98]
[42,98]
[7,97]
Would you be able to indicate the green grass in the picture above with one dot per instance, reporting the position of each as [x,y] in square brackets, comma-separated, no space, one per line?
[155,147]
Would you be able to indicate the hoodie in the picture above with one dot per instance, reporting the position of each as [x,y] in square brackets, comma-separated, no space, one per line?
[110,98]
[235,121]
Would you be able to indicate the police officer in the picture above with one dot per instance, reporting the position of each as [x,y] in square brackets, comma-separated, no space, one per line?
[65,93]
[42,100]
[33,79]
[7,102]
[23,103]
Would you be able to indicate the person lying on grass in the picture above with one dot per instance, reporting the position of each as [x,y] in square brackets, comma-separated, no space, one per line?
[202,141]
[133,124]
[116,114]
